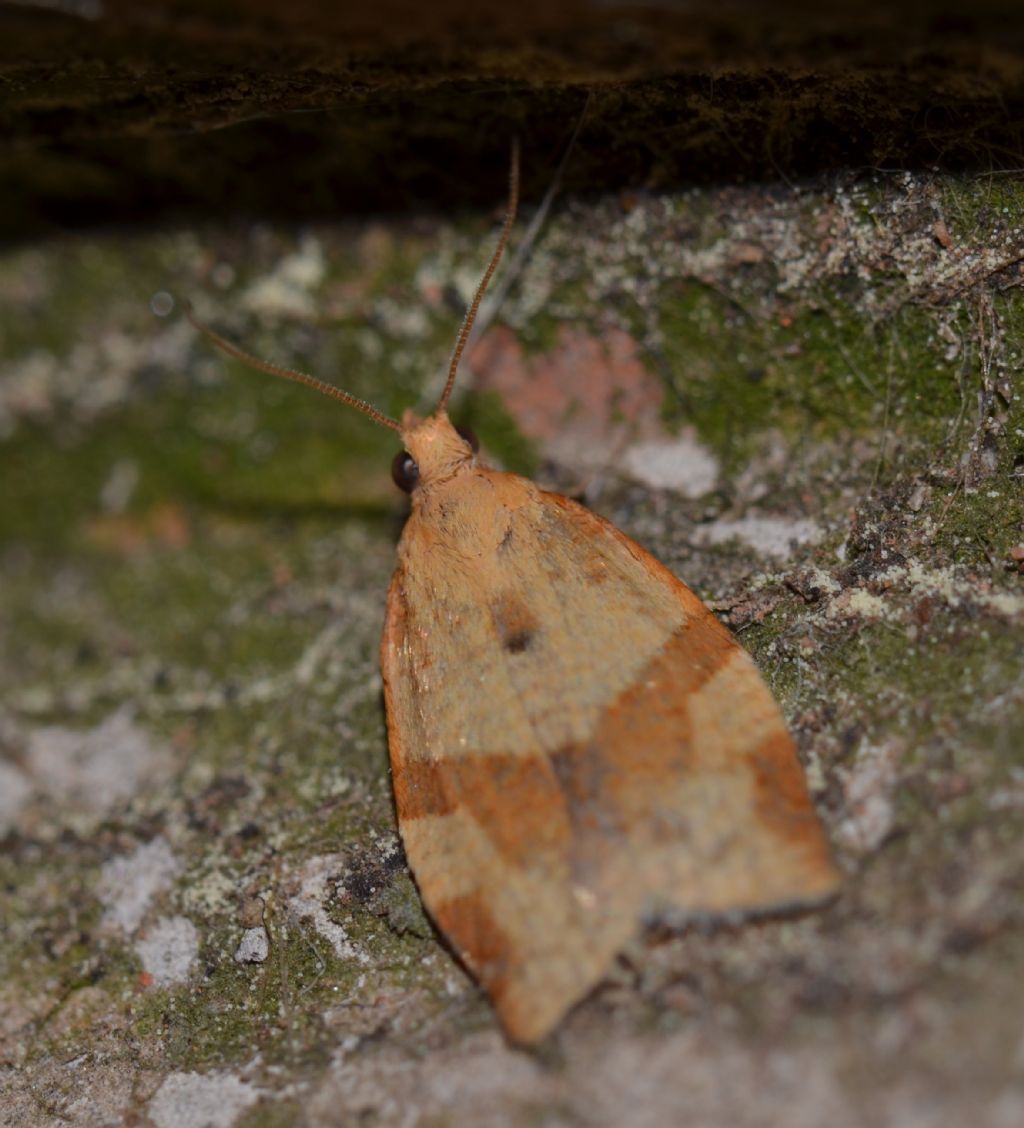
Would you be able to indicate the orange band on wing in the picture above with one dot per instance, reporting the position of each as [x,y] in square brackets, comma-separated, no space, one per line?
[516,800]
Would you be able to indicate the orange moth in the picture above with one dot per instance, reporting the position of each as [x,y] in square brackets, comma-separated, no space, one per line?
[578,746]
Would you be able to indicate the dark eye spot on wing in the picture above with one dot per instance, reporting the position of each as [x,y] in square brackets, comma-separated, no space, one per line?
[517,643]
[517,628]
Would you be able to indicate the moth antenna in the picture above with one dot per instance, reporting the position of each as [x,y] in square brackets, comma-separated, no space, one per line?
[514,266]
[326,389]
[492,266]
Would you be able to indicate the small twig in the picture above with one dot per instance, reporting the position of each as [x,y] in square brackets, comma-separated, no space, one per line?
[943,297]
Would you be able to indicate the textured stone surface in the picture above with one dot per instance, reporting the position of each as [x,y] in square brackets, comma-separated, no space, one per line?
[113,111]
[193,562]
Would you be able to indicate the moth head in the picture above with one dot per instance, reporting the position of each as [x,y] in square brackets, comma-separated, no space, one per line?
[435,450]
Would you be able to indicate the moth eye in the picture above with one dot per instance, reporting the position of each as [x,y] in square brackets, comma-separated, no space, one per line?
[470,437]
[404,471]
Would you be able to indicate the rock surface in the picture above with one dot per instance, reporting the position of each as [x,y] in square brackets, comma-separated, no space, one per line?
[193,563]
[116,112]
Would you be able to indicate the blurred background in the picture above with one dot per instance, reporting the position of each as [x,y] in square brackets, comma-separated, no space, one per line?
[116,112]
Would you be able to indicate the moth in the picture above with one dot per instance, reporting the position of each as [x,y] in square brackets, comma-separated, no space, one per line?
[578,746]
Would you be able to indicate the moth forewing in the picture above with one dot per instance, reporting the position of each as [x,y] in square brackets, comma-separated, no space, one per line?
[575,739]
